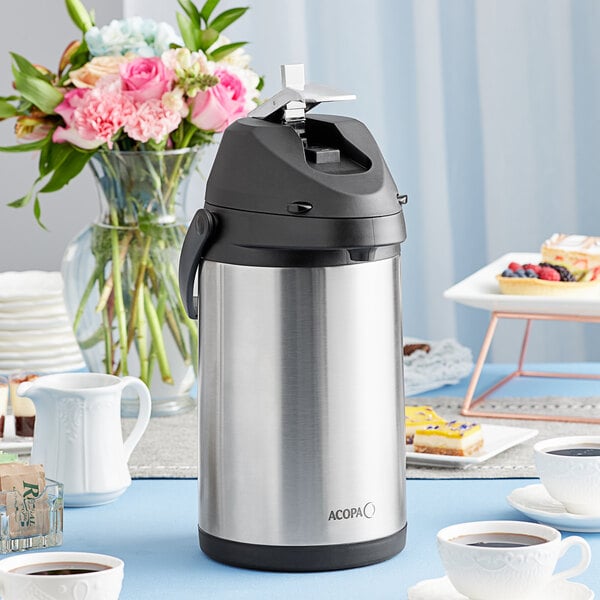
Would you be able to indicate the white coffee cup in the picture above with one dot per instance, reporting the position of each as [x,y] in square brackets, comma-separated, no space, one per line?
[18,581]
[493,573]
[572,480]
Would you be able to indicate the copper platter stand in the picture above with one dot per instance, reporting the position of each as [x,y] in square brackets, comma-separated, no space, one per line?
[469,405]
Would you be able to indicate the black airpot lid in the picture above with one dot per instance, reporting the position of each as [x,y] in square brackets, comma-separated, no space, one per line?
[336,171]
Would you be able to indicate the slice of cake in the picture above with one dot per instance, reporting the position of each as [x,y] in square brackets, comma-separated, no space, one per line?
[453,439]
[418,417]
[579,253]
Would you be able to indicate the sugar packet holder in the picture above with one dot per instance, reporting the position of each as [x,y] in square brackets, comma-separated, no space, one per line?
[31,509]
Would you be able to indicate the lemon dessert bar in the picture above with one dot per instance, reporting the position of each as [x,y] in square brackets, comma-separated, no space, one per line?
[454,438]
[418,417]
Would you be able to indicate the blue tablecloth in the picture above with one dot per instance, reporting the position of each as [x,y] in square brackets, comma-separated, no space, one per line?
[153,528]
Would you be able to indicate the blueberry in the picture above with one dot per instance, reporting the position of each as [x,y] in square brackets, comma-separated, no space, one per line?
[531,273]
[520,273]
[508,273]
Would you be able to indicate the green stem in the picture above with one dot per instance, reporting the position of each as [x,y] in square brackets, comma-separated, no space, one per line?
[173,324]
[137,290]
[118,292]
[141,340]
[157,337]
[107,331]
[85,297]
[108,286]
[160,313]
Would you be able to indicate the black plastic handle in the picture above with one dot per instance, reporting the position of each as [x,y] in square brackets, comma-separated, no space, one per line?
[190,261]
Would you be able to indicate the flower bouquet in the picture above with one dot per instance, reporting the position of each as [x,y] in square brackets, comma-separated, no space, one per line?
[137,101]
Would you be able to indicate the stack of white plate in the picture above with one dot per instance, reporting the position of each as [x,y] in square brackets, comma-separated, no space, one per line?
[35,333]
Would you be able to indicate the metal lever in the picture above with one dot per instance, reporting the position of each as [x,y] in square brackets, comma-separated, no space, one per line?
[297,97]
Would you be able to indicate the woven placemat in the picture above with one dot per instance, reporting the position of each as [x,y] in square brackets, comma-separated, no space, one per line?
[169,448]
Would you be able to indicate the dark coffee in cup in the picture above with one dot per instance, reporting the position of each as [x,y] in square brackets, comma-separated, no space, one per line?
[58,568]
[584,450]
[499,540]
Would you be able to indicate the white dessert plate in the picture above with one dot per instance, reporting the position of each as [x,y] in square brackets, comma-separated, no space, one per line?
[496,439]
[39,365]
[18,305]
[28,285]
[21,346]
[67,352]
[537,504]
[38,336]
[27,324]
[481,291]
[442,589]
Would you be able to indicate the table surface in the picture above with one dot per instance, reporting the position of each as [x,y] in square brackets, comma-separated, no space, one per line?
[153,528]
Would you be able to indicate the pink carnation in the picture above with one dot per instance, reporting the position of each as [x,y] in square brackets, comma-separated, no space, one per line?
[152,121]
[101,114]
[218,106]
[72,100]
[146,78]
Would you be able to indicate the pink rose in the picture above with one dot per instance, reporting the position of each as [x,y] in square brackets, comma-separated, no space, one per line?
[146,79]
[218,106]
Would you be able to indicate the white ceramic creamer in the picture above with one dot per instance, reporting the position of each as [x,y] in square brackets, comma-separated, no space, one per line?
[78,435]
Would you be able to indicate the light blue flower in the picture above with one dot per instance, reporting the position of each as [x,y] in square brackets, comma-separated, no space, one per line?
[143,37]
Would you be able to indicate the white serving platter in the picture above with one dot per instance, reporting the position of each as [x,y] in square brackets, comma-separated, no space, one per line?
[481,290]
[497,439]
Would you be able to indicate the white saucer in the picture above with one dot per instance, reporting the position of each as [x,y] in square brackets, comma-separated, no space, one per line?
[535,502]
[442,589]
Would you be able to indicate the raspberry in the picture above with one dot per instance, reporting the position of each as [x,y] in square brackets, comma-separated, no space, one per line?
[535,268]
[514,266]
[565,274]
[549,274]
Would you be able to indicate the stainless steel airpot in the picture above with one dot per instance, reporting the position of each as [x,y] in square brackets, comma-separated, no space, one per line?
[297,252]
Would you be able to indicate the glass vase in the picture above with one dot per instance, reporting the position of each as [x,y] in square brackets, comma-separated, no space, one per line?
[120,277]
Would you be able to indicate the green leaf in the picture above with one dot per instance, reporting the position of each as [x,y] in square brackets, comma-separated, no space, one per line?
[28,147]
[207,38]
[22,201]
[69,168]
[261,84]
[189,33]
[37,212]
[190,9]
[207,9]
[26,68]
[79,15]
[223,51]
[225,19]
[52,156]
[39,92]
[7,110]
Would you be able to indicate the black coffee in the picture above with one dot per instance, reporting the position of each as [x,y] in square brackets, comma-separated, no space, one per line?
[499,540]
[587,450]
[58,568]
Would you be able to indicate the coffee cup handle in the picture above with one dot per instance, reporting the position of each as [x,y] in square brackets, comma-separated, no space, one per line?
[143,416]
[584,563]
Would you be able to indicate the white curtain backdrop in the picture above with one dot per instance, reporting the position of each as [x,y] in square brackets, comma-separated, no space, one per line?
[488,114]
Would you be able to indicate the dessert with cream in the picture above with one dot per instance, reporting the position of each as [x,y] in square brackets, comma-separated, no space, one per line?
[418,417]
[579,253]
[3,403]
[23,408]
[454,438]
